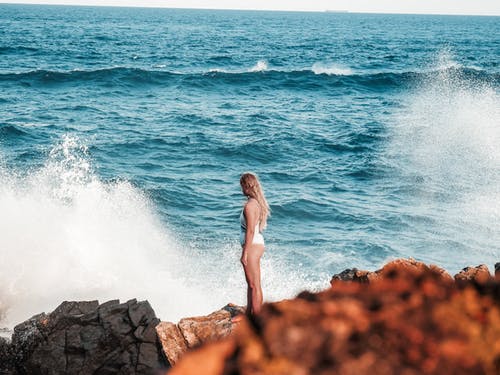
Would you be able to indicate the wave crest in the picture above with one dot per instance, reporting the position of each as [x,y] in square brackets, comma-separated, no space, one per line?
[131,77]
[331,69]
[260,66]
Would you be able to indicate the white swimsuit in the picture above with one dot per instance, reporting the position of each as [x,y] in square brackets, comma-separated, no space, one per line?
[257,237]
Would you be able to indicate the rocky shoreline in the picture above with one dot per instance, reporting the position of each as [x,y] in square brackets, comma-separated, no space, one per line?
[406,318]
[86,338]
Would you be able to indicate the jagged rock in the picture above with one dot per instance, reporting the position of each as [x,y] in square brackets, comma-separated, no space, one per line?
[409,266]
[192,332]
[411,321]
[412,267]
[480,274]
[351,274]
[6,356]
[87,338]
[172,341]
[497,271]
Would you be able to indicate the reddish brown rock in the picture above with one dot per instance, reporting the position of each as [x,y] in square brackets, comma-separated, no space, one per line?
[192,332]
[412,267]
[172,341]
[410,320]
[212,357]
[205,328]
[407,266]
[480,274]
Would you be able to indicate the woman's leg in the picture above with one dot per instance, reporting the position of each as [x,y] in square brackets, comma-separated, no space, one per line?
[249,299]
[249,292]
[252,275]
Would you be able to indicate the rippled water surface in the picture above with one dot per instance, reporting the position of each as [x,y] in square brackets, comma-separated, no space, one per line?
[123,133]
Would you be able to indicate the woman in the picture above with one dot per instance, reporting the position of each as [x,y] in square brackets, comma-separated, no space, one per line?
[253,220]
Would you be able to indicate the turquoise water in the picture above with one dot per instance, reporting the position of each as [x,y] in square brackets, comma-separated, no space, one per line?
[123,132]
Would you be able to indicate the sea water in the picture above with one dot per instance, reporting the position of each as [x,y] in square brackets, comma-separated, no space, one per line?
[123,133]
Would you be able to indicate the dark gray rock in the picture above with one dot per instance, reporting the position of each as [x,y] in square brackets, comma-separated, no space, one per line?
[346,275]
[86,338]
[6,357]
[138,311]
[352,274]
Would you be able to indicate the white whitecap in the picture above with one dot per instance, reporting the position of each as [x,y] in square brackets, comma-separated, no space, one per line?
[331,69]
[218,70]
[260,66]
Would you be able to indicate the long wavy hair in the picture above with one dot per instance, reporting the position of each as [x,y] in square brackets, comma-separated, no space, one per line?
[252,185]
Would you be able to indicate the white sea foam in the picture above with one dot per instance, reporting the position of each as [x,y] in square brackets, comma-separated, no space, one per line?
[68,235]
[260,66]
[331,69]
[218,70]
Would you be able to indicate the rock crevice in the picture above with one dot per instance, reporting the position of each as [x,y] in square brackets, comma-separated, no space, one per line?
[86,338]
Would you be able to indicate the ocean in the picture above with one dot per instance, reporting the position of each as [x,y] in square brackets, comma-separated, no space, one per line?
[123,133]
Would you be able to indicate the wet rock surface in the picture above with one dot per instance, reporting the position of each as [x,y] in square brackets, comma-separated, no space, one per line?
[86,338]
[190,333]
[407,318]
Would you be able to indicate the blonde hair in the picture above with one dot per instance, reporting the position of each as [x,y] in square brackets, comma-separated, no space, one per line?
[252,185]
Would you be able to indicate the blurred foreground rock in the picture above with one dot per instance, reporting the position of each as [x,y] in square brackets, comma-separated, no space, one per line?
[403,265]
[192,332]
[480,274]
[86,338]
[407,318]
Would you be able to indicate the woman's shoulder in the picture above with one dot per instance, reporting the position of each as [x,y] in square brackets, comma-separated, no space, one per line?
[252,204]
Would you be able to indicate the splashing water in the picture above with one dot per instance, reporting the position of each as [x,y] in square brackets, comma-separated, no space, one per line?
[67,235]
[260,66]
[445,142]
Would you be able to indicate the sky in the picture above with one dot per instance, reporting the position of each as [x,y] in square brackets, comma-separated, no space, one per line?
[473,7]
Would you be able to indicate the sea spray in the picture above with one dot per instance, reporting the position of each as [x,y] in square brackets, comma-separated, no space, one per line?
[68,235]
[445,143]
[260,66]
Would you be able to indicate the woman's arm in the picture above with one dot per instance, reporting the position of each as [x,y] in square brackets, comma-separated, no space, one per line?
[251,212]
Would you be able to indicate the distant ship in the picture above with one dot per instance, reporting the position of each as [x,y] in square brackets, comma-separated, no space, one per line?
[336,11]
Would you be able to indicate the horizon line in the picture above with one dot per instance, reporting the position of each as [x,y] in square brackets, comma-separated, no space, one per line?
[339,11]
